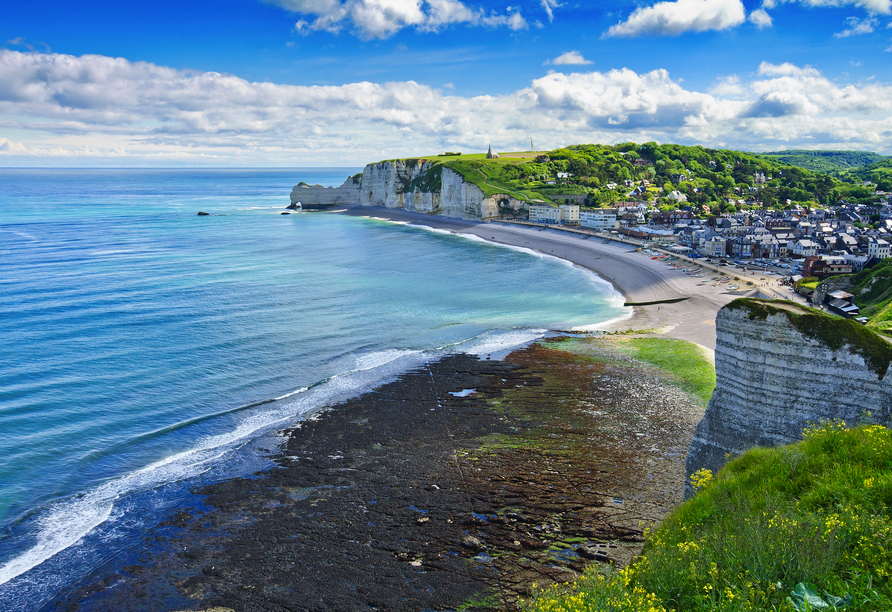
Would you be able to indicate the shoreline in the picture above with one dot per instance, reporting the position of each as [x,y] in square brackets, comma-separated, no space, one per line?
[235,510]
[634,275]
[459,485]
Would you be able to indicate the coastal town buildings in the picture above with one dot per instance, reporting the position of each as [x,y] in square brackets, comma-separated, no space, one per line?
[565,214]
[599,218]
[799,241]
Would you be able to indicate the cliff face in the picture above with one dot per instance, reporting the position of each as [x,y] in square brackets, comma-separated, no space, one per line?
[319,197]
[780,367]
[414,185]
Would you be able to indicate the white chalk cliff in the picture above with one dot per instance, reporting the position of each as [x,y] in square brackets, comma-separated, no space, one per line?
[318,196]
[414,185]
[781,367]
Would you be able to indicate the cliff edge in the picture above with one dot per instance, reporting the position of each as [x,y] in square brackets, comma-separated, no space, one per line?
[318,197]
[416,185]
[780,366]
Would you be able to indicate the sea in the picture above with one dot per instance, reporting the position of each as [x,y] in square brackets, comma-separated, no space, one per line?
[145,349]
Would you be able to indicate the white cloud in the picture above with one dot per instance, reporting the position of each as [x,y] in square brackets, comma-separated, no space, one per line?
[570,58]
[760,18]
[857,27]
[384,18]
[94,108]
[727,86]
[785,69]
[680,16]
[549,6]
[9,146]
[872,6]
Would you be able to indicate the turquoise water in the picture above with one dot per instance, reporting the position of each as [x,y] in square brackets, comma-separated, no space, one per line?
[135,335]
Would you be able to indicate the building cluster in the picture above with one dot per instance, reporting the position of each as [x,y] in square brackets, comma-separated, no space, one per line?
[822,242]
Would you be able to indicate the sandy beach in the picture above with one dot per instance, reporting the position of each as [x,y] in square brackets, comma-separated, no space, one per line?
[634,274]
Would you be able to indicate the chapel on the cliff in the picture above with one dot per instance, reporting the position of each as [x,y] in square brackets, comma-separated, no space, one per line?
[491,155]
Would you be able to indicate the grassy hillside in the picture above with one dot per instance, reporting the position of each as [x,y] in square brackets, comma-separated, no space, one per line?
[873,294]
[796,528]
[707,176]
[824,162]
[879,172]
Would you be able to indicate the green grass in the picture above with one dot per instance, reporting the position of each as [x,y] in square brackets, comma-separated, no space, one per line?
[774,525]
[489,176]
[685,364]
[686,361]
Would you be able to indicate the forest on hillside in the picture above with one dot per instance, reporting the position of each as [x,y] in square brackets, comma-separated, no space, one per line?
[825,162]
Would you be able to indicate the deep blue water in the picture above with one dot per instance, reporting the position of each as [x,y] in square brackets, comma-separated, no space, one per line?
[133,333]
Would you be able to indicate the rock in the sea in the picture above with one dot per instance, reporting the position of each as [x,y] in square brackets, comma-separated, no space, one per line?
[317,197]
[781,367]
[201,213]
[472,543]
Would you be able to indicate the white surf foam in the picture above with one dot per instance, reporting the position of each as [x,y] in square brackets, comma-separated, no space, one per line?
[380,358]
[67,522]
[500,342]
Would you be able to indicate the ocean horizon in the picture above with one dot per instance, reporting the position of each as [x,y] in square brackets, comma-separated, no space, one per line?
[145,349]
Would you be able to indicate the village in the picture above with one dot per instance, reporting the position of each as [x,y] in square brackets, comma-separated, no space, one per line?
[797,246]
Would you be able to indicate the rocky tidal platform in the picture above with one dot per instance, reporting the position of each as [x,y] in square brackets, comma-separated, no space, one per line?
[426,495]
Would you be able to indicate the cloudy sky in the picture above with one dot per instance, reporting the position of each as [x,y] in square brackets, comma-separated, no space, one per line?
[345,82]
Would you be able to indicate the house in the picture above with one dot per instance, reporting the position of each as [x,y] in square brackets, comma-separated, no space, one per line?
[599,218]
[677,196]
[805,248]
[714,245]
[842,303]
[671,217]
[741,247]
[545,213]
[765,245]
[877,247]
[629,220]
[823,266]
[565,214]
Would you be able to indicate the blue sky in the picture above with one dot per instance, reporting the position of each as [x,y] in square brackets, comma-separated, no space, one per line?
[343,82]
